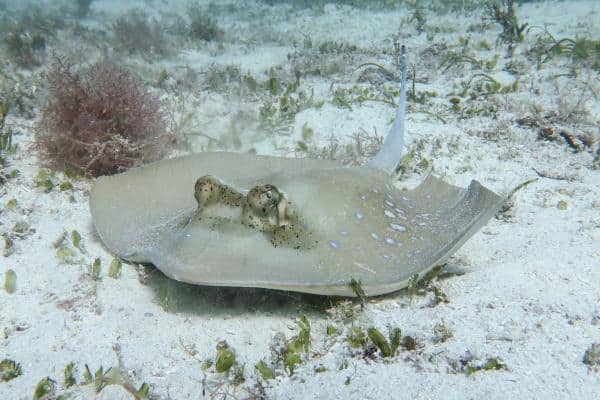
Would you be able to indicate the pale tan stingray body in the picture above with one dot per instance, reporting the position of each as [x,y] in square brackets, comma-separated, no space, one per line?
[361,226]
[295,224]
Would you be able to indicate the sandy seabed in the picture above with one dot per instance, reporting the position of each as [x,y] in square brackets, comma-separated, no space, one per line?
[528,292]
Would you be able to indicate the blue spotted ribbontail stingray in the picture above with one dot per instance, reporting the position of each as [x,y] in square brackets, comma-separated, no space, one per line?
[242,220]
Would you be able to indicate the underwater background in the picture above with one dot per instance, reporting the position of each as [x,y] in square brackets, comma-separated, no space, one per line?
[501,92]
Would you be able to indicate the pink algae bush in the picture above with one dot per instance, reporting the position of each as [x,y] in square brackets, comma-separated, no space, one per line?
[100,120]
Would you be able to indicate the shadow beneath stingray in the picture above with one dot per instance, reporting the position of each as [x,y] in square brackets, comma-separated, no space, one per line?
[178,297]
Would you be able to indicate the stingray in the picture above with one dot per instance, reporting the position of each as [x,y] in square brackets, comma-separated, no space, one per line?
[305,225]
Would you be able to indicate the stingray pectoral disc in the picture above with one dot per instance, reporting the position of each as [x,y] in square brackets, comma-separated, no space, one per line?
[322,225]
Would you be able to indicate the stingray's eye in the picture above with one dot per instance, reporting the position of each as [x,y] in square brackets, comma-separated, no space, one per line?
[265,198]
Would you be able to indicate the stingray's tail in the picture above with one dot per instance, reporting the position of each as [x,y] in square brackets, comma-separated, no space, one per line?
[388,157]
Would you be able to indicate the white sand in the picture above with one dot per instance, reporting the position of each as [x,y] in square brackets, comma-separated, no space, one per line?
[530,294]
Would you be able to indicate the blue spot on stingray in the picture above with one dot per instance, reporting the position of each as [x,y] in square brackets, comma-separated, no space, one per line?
[398,228]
